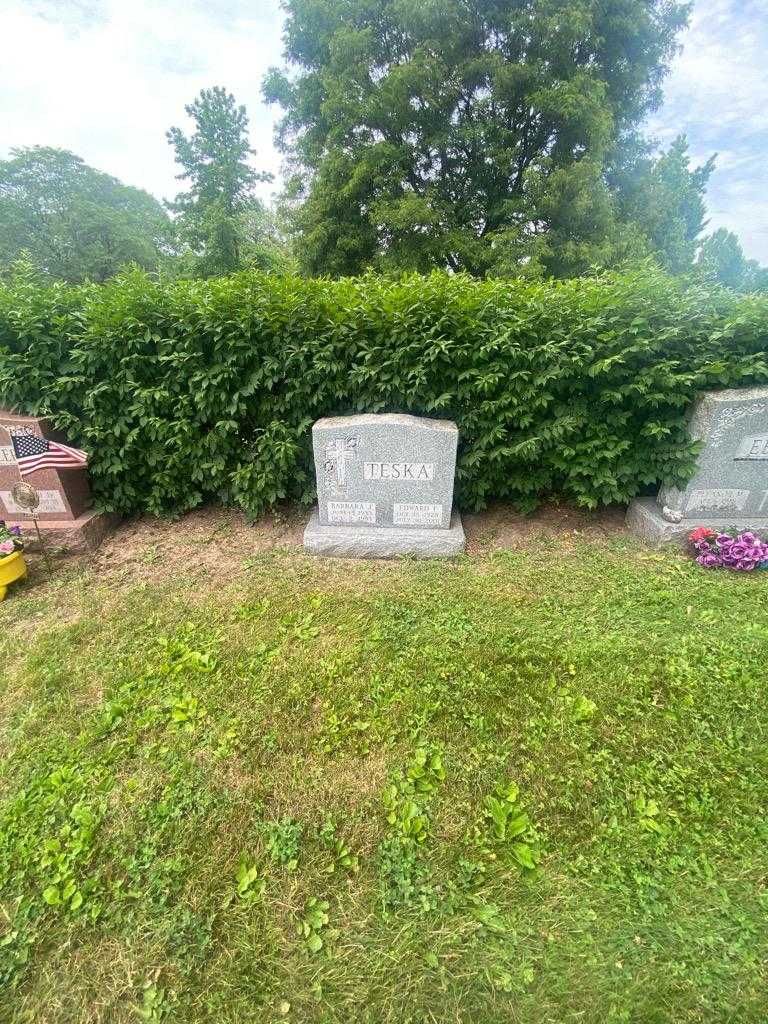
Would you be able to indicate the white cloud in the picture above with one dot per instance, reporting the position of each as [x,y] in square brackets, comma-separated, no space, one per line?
[718,95]
[107,79]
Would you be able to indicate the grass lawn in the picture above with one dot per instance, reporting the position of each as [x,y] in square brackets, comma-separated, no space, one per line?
[525,786]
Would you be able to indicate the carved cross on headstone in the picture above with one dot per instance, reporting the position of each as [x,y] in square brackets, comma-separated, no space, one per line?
[337,452]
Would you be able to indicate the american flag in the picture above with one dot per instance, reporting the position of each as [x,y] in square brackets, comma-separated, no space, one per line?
[38,453]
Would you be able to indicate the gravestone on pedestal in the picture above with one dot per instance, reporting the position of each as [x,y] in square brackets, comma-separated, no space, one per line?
[384,487]
[730,485]
[64,513]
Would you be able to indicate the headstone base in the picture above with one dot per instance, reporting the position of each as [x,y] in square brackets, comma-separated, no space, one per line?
[383,542]
[645,519]
[75,535]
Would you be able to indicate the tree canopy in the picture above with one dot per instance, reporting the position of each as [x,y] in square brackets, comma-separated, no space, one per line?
[464,134]
[75,222]
[661,200]
[215,214]
[722,259]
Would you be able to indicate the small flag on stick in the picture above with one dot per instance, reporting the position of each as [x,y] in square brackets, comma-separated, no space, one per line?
[38,453]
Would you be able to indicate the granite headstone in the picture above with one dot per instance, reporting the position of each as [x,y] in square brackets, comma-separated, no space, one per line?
[730,485]
[384,487]
[64,513]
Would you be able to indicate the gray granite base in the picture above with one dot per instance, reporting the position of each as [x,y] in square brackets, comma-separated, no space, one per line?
[383,542]
[645,519]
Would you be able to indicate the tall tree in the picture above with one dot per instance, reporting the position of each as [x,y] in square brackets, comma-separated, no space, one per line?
[662,199]
[462,133]
[722,259]
[75,222]
[213,214]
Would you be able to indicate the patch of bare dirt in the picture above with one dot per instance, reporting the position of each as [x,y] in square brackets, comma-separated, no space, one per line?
[211,542]
[215,544]
[501,527]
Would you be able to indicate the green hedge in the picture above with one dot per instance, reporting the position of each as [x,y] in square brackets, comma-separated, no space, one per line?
[187,391]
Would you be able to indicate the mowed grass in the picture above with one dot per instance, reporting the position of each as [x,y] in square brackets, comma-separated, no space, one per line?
[263,797]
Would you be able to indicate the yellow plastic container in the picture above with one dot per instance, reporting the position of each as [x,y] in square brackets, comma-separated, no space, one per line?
[12,567]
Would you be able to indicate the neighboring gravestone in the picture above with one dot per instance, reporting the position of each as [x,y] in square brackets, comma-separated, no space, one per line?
[64,493]
[64,513]
[730,485]
[384,487]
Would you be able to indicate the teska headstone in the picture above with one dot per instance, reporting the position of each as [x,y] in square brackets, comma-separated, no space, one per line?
[384,487]
[730,485]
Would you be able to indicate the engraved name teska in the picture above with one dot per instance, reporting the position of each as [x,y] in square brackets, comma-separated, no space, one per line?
[398,471]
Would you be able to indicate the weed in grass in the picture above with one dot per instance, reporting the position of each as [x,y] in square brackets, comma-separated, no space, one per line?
[283,841]
[314,921]
[147,742]
[510,826]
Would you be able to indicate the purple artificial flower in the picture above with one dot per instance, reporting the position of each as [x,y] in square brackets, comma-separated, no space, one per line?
[709,561]
[15,530]
[743,553]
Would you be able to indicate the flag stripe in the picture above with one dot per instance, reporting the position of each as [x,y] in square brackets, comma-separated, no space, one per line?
[48,460]
[52,457]
[33,453]
[75,452]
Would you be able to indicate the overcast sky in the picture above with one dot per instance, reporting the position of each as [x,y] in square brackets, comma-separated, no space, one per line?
[106,78]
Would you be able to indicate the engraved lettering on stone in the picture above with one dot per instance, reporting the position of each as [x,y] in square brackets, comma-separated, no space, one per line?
[414,514]
[752,448]
[763,501]
[50,501]
[401,471]
[6,455]
[718,499]
[337,452]
[17,429]
[352,512]
[729,417]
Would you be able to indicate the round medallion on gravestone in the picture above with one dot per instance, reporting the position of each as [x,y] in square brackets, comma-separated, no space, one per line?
[26,496]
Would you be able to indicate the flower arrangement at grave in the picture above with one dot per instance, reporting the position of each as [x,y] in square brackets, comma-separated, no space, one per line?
[12,565]
[10,540]
[742,552]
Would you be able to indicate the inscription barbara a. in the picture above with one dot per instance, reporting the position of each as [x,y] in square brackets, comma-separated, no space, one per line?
[752,448]
[402,471]
[344,512]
